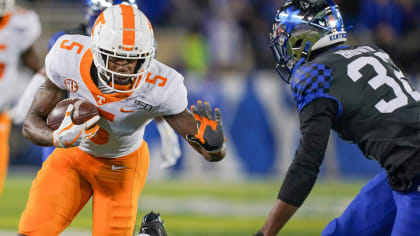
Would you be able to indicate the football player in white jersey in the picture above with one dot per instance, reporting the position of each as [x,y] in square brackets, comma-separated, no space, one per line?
[106,157]
[19,29]
[170,147]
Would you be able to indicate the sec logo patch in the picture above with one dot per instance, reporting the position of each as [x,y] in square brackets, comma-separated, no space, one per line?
[71,85]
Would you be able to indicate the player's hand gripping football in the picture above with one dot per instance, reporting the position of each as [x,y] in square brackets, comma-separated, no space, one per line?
[70,134]
[210,131]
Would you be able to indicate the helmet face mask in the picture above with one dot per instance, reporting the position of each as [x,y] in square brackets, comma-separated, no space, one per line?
[300,27]
[6,6]
[115,39]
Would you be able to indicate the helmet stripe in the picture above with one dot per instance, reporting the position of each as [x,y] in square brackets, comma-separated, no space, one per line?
[334,11]
[128,25]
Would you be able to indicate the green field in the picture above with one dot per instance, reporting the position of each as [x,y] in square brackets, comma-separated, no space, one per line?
[207,208]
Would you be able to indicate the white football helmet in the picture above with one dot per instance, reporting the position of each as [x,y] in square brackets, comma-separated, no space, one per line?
[122,31]
[6,6]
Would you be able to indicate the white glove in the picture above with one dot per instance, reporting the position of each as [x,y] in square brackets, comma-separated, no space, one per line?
[70,134]
[170,145]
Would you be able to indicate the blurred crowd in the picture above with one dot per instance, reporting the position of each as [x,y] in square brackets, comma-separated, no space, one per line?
[222,36]
[231,35]
[209,39]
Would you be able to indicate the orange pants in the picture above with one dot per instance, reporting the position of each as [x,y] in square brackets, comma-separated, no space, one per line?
[5,125]
[67,180]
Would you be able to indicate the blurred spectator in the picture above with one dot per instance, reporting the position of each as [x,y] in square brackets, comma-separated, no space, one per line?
[195,52]
[350,11]
[226,43]
[394,25]
[256,22]
[157,11]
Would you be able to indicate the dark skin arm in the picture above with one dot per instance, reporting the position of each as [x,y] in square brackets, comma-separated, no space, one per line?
[31,59]
[278,217]
[315,120]
[185,124]
[35,128]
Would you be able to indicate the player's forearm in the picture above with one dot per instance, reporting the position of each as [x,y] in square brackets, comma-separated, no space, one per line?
[36,130]
[279,215]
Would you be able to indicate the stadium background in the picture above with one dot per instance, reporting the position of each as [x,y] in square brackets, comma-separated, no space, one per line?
[221,46]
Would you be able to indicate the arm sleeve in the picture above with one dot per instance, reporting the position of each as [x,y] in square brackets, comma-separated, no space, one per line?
[315,124]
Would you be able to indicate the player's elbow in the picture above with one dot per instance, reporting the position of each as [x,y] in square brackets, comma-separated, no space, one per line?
[26,130]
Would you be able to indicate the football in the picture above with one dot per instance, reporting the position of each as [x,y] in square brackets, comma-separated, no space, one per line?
[83,110]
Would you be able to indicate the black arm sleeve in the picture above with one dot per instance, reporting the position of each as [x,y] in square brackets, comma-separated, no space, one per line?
[315,124]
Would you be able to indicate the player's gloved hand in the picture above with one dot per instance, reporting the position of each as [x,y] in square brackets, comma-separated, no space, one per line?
[170,145]
[152,225]
[70,134]
[210,132]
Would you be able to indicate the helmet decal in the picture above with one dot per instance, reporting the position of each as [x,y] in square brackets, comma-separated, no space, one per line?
[100,19]
[93,8]
[290,18]
[128,26]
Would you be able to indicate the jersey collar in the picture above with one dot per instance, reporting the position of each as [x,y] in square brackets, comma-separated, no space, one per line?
[101,99]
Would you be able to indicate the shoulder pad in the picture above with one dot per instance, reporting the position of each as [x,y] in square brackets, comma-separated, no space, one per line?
[309,82]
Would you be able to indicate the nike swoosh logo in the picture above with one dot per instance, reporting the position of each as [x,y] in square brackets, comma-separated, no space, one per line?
[113,167]
[74,140]
[125,111]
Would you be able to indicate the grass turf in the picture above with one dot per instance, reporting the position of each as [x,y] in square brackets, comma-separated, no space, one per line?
[190,222]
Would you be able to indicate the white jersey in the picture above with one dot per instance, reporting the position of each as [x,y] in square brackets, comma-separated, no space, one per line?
[19,30]
[123,115]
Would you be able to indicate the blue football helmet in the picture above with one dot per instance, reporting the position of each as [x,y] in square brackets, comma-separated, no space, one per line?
[93,8]
[303,26]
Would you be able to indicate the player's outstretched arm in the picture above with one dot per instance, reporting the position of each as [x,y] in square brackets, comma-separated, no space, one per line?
[202,130]
[35,128]
[315,124]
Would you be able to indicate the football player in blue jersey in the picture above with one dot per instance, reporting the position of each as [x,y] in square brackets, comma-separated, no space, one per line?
[359,92]
[92,9]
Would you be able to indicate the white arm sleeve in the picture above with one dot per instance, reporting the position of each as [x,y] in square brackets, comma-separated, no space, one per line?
[19,111]
[29,21]
[169,144]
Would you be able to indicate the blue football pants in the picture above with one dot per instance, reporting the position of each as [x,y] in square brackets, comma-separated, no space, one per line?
[378,211]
